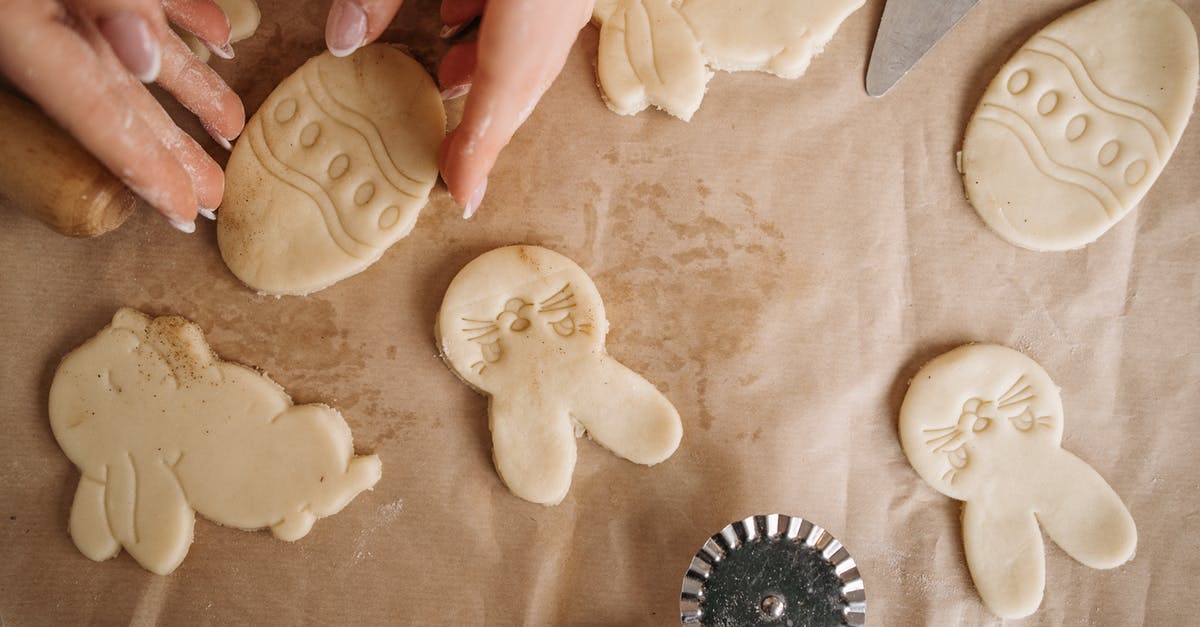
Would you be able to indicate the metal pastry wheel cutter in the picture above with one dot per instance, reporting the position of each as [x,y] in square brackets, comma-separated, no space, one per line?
[773,570]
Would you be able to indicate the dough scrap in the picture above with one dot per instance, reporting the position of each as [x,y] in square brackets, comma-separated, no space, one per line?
[1078,125]
[244,18]
[525,326]
[983,424]
[331,171]
[657,52]
[161,428]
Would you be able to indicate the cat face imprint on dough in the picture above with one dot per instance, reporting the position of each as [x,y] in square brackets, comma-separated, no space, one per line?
[657,52]
[1080,122]
[331,170]
[983,424]
[526,326]
[161,428]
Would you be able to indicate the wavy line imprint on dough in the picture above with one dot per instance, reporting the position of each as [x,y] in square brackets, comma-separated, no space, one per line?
[1100,98]
[1015,124]
[305,185]
[360,124]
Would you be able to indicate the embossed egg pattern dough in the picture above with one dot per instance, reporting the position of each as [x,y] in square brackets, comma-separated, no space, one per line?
[983,424]
[161,428]
[658,52]
[1078,125]
[525,326]
[330,171]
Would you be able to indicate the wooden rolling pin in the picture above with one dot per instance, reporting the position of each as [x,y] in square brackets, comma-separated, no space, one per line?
[48,175]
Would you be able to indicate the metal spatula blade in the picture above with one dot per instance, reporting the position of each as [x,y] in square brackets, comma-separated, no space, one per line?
[908,29]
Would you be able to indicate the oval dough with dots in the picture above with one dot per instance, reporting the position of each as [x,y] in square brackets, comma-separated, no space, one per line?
[1078,125]
[161,428]
[331,170]
[983,424]
[525,326]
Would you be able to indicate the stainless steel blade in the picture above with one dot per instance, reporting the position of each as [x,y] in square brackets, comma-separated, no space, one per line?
[908,29]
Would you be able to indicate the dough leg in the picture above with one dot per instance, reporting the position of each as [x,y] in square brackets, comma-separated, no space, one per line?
[148,512]
[1083,515]
[1006,558]
[89,523]
[626,414]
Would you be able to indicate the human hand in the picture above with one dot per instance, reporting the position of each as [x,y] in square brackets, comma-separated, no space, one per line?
[522,47]
[84,62]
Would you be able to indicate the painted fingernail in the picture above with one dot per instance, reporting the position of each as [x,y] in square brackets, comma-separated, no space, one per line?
[475,200]
[130,37]
[458,91]
[221,141]
[346,29]
[450,30]
[208,213]
[187,226]
[225,51]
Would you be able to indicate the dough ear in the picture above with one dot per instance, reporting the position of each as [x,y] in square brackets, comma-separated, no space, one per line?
[634,44]
[1084,516]
[534,452]
[637,423]
[148,513]
[89,522]
[1006,558]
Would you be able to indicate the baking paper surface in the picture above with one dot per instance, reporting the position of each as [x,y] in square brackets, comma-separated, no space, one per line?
[779,267]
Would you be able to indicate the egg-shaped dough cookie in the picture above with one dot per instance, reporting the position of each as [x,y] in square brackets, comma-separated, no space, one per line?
[526,326]
[331,171]
[1078,125]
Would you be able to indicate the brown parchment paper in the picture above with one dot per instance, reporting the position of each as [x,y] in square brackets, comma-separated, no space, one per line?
[779,267]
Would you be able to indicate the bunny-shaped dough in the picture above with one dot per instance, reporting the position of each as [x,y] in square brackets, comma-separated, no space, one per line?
[983,424]
[525,326]
[657,52]
[161,428]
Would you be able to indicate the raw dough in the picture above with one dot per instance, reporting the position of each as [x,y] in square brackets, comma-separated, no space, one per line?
[526,326]
[1078,125]
[983,424]
[243,17]
[331,171]
[160,428]
[655,52]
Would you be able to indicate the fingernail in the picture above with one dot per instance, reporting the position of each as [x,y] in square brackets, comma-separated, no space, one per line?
[221,141]
[208,213]
[188,226]
[225,51]
[130,38]
[450,30]
[458,91]
[346,28]
[475,200]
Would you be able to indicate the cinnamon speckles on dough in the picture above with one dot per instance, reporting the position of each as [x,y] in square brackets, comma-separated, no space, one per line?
[161,428]
[526,326]
[331,171]
[1077,126]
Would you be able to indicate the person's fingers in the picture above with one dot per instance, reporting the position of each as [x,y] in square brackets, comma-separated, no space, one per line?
[523,45]
[76,88]
[354,23]
[134,30]
[205,20]
[456,69]
[458,13]
[199,88]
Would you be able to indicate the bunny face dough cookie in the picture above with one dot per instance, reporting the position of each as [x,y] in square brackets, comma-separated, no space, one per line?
[983,424]
[657,52]
[330,171]
[161,428]
[1078,125]
[525,326]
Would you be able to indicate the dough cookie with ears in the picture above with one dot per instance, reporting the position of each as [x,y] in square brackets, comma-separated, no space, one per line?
[161,428]
[525,326]
[983,424]
[657,52]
